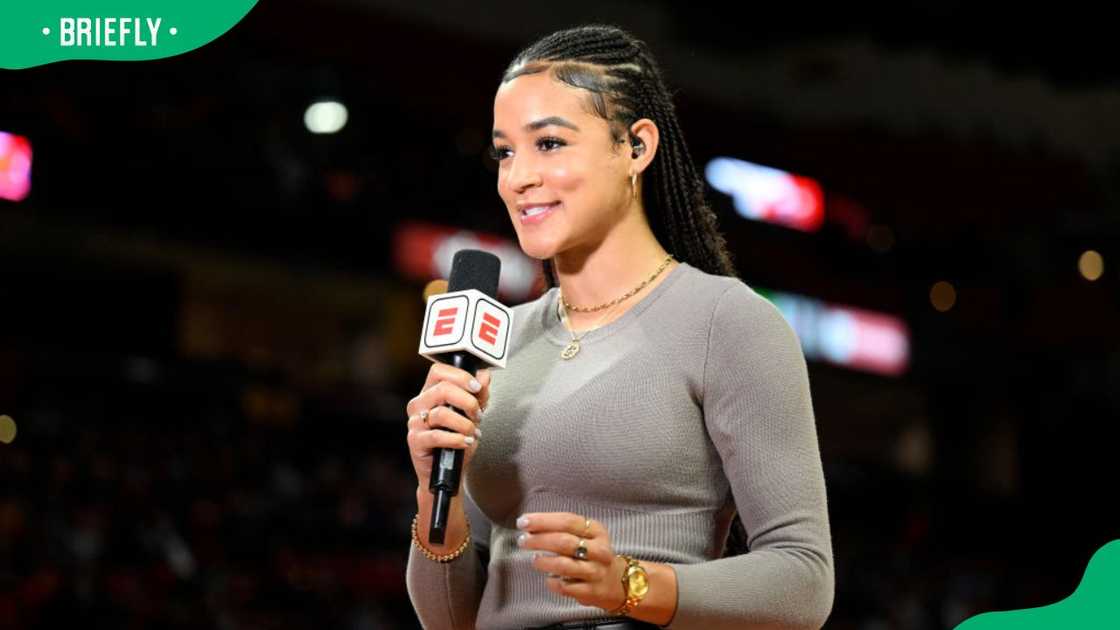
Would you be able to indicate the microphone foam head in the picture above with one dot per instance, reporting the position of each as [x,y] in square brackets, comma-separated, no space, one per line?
[475,269]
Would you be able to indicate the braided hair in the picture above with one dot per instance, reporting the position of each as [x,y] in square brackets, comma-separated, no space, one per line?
[624,85]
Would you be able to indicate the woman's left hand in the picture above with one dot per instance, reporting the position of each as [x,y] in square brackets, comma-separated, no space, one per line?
[596,581]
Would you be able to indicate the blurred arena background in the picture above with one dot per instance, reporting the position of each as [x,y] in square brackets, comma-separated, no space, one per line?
[211,278]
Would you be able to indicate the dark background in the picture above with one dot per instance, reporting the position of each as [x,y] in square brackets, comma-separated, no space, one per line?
[207,348]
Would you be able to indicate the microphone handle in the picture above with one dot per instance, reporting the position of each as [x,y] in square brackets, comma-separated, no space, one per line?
[447,464]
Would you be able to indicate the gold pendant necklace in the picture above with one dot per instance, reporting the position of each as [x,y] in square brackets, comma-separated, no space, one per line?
[572,349]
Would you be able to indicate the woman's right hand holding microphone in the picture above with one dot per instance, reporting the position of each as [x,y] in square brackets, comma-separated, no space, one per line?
[433,425]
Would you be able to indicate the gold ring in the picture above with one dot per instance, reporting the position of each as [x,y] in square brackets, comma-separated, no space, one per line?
[581,550]
[586,527]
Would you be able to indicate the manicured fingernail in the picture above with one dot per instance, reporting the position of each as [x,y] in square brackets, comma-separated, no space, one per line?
[477,432]
[522,522]
[474,385]
[521,539]
[469,440]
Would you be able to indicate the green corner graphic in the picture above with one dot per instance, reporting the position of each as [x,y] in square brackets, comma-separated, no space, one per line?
[37,32]
[1094,604]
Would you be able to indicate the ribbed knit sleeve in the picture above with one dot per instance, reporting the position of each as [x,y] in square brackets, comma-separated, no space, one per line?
[759,415]
[445,595]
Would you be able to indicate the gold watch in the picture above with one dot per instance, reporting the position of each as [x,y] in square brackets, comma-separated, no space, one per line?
[635,582]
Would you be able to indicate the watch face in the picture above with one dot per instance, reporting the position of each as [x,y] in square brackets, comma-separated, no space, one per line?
[638,583]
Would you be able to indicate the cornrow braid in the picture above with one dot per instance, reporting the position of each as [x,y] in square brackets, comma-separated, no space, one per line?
[625,84]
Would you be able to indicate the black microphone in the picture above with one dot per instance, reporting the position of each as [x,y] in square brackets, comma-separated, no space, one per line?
[482,318]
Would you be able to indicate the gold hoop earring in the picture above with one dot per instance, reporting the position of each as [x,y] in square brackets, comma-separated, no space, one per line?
[633,184]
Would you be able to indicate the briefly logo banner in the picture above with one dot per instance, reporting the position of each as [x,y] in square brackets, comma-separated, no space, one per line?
[46,31]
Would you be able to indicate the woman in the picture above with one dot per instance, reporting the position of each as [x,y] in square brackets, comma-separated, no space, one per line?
[648,397]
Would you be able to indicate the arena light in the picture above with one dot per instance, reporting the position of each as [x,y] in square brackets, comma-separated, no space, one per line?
[762,193]
[849,337]
[1090,264]
[325,117]
[15,167]
[424,251]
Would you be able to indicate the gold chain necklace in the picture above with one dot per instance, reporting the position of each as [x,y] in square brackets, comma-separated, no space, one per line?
[581,309]
[572,349]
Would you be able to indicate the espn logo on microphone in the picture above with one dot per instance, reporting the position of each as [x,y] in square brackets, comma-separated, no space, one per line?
[468,321]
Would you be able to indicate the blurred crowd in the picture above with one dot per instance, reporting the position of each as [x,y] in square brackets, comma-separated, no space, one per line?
[128,506]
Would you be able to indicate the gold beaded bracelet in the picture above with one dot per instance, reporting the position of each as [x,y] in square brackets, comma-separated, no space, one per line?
[445,557]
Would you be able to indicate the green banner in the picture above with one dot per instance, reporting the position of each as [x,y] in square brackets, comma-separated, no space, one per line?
[37,32]
[1093,605]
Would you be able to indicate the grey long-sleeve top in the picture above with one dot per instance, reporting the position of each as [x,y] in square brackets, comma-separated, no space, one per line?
[692,404]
